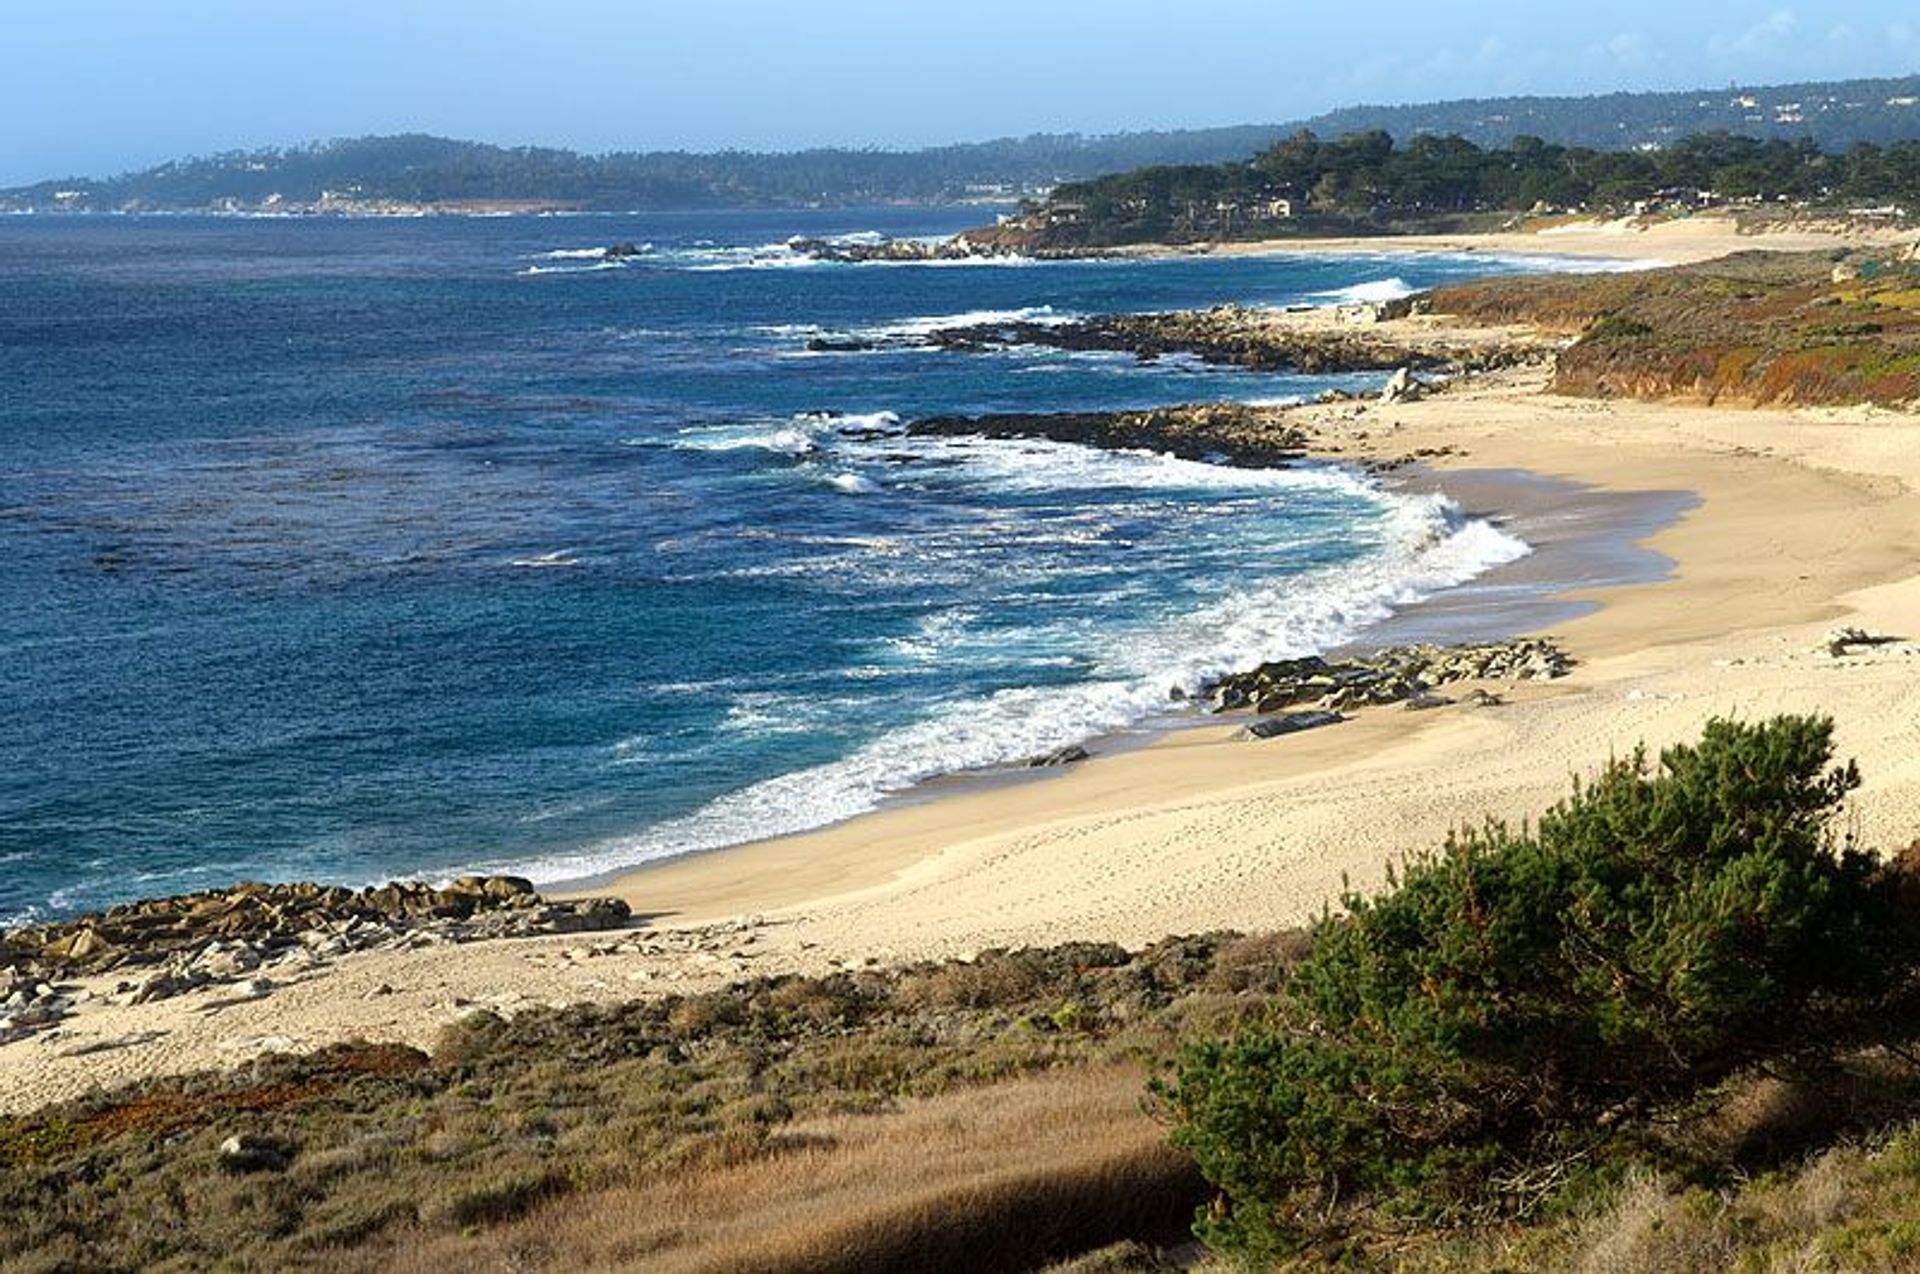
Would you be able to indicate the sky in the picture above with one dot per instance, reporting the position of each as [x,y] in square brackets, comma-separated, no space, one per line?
[95,87]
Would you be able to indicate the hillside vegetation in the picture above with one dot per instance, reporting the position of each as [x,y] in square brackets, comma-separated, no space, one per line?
[1834,114]
[1669,1027]
[416,169]
[1367,183]
[419,169]
[1749,329]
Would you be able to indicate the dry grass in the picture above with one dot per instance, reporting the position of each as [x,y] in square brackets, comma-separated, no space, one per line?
[507,1119]
[1005,1177]
[967,1116]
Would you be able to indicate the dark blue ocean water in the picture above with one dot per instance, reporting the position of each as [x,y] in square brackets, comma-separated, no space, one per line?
[343,549]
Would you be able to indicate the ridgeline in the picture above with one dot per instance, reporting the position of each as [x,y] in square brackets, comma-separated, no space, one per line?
[414,171]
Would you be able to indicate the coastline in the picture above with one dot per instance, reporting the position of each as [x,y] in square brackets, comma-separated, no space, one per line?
[915,865]
[1624,243]
[1805,518]
[1582,539]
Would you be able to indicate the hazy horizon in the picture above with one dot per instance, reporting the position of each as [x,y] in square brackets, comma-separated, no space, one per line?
[113,86]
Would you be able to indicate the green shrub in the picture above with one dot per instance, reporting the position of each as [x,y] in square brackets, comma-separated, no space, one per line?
[1614,327]
[1506,1001]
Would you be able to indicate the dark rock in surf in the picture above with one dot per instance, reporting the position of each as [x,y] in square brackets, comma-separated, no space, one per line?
[1288,723]
[1222,433]
[1072,754]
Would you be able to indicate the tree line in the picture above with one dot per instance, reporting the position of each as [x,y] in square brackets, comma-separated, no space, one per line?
[1368,178]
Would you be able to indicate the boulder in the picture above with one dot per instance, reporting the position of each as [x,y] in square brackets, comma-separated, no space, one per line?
[1403,387]
[1288,723]
[507,887]
[1841,641]
[247,1152]
[225,935]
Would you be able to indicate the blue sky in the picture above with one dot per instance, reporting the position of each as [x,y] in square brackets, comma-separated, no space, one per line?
[98,86]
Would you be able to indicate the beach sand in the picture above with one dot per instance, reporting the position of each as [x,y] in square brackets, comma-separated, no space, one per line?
[1675,242]
[1799,520]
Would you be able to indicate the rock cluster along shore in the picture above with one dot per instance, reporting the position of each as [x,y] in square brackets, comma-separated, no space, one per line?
[1227,335]
[858,252]
[167,946]
[1407,675]
[1224,433]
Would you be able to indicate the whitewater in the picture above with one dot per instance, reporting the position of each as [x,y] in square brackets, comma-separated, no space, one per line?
[404,549]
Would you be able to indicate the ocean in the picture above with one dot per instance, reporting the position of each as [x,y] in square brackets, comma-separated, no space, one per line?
[352,549]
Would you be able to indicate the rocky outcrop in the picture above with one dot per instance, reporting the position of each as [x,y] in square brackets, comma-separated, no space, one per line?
[963,247]
[1225,433]
[857,251]
[250,937]
[1844,641]
[168,946]
[1398,674]
[1227,335]
[897,251]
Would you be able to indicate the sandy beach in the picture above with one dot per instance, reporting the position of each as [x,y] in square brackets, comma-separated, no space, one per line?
[1793,521]
[1673,242]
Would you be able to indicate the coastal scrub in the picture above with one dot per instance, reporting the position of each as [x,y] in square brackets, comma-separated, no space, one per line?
[1510,1002]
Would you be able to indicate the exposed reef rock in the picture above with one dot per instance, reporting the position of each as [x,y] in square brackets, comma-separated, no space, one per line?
[1397,674]
[1227,335]
[860,251]
[1225,433]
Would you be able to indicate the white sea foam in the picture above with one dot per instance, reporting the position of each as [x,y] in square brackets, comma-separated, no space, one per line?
[906,332]
[1429,546]
[1532,264]
[709,258]
[861,420]
[852,484]
[1041,465]
[1371,292]
[926,325]
[766,256]
[854,239]
[591,254]
[798,439]
[595,268]
[558,557]
[806,434]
